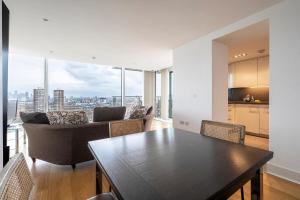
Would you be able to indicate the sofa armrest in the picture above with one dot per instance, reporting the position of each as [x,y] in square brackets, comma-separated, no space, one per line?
[148,122]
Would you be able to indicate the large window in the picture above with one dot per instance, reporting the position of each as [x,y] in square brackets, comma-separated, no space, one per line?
[40,85]
[171,94]
[134,87]
[25,87]
[78,86]
[158,94]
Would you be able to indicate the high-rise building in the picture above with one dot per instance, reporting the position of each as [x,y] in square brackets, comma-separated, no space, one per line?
[58,100]
[39,100]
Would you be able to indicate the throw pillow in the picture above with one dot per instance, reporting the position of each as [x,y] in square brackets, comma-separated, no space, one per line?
[139,113]
[102,114]
[67,117]
[149,110]
[131,109]
[34,118]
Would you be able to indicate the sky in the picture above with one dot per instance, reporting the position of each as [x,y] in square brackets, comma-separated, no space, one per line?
[76,79]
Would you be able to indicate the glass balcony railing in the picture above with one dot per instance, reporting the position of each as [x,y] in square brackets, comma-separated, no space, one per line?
[158,107]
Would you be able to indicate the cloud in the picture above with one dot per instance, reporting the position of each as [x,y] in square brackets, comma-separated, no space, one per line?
[76,79]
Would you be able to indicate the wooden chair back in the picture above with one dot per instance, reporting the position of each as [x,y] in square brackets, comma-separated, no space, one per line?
[125,127]
[224,131]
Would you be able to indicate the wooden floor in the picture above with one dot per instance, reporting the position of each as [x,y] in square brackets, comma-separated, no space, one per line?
[62,183]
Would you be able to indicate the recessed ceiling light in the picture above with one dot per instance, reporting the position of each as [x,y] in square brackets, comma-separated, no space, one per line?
[240,55]
[45,19]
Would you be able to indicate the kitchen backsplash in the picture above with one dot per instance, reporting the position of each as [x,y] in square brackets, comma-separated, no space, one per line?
[237,94]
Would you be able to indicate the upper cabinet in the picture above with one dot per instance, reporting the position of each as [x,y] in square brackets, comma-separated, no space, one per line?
[249,73]
[231,72]
[246,73]
[263,72]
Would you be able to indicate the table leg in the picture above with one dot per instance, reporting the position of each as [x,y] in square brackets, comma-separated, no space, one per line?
[98,180]
[257,186]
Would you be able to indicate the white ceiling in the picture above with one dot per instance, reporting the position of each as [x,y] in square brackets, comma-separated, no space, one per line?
[247,40]
[130,33]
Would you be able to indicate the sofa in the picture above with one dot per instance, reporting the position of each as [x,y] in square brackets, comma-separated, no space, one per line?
[63,144]
[66,144]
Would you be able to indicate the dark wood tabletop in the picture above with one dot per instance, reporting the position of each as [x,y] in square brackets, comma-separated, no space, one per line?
[176,164]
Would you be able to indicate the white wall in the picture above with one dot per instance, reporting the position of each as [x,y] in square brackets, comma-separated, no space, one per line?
[1,95]
[219,82]
[284,90]
[193,83]
[165,93]
[149,88]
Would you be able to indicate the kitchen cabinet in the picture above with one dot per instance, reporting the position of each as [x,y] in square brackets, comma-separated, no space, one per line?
[254,117]
[231,75]
[248,115]
[263,72]
[245,73]
[231,113]
[264,120]
[249,73]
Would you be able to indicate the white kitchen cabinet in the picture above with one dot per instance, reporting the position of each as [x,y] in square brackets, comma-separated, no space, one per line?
[231,113]
[263,72]
[254,117]
[245,73]
[264,120]
[231,75]
[248,115]
[249,73]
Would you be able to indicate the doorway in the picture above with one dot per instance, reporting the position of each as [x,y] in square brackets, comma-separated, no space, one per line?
[247,68]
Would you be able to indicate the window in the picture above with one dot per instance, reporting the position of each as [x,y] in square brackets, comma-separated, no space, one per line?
[39,85]
[170,94]
[134,87]
[25,84]
[158,94]
[25,94]
[78,86]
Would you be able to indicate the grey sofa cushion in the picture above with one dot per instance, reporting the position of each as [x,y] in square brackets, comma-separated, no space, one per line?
[34,118]
[102,114]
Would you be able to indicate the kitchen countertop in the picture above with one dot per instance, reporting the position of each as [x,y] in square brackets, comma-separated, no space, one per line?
[252,103]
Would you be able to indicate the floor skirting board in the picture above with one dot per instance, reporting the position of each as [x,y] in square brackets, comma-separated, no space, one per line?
[283,172]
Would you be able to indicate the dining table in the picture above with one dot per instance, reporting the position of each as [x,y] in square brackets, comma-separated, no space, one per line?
[171,164]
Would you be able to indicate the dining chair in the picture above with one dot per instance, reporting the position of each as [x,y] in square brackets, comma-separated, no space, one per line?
[125,127]
[16,181]
[224,131]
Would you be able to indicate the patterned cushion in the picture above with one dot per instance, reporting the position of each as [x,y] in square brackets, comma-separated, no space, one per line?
[131,109]
[139,113]
[67,117]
